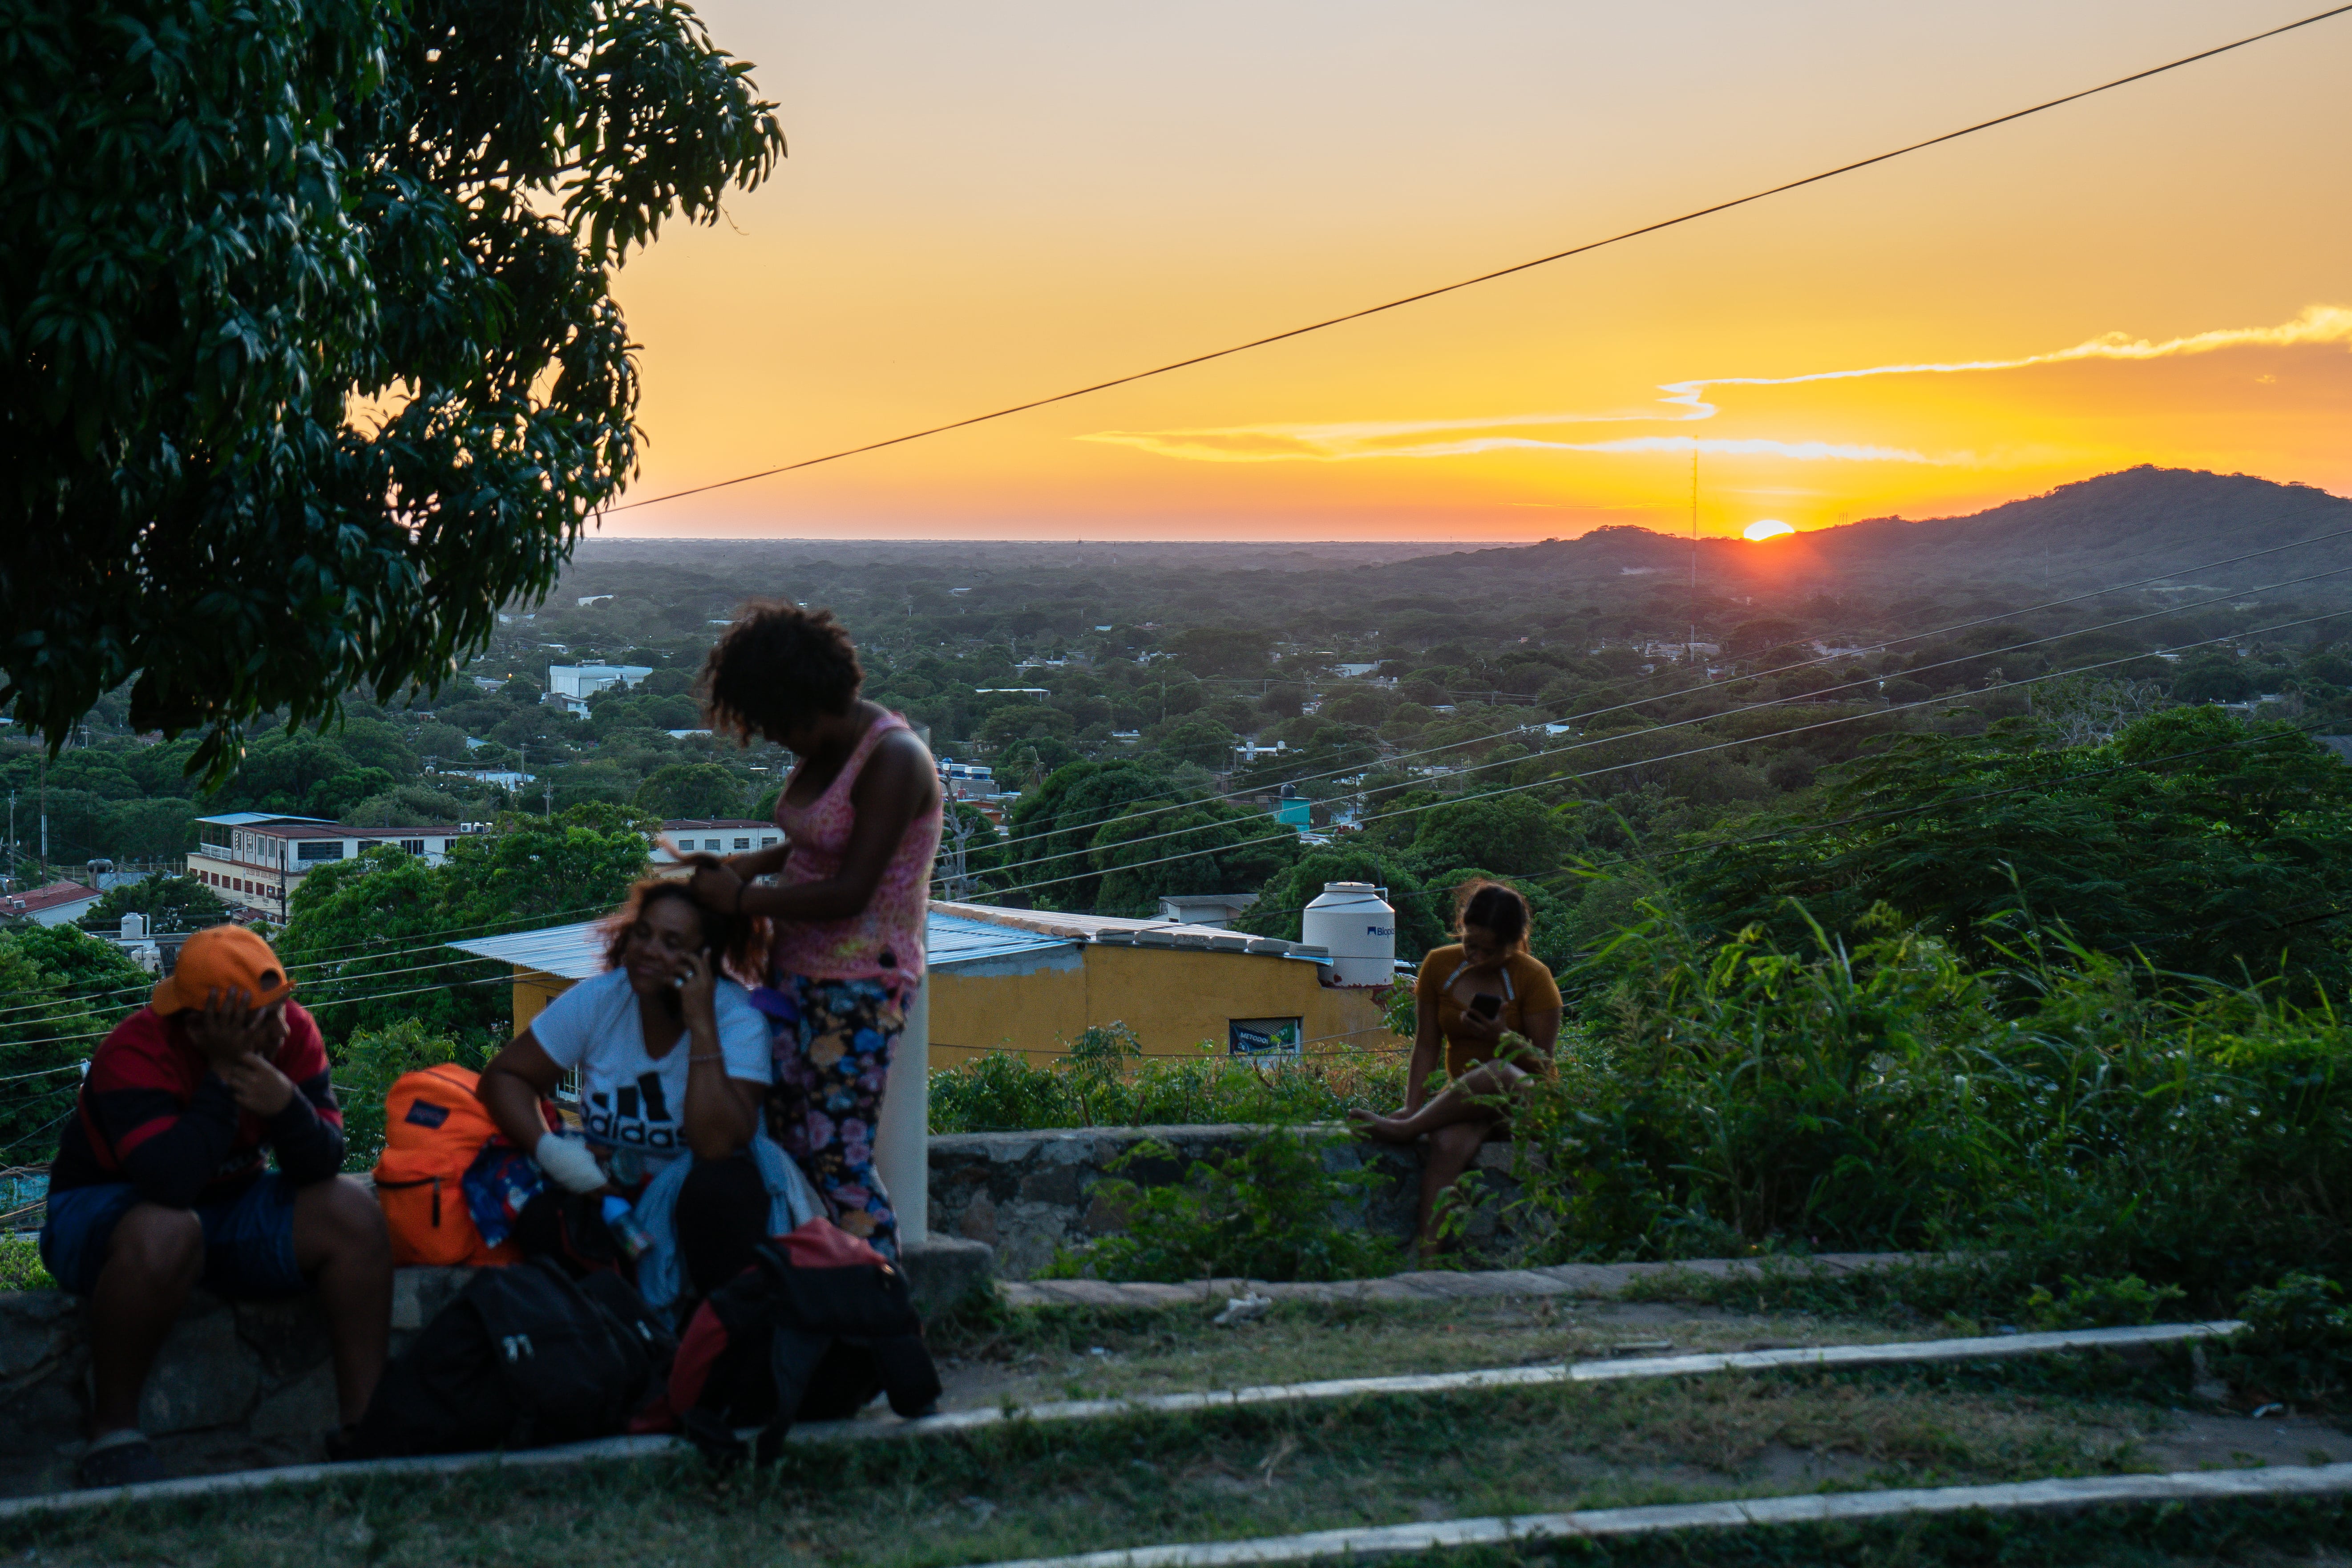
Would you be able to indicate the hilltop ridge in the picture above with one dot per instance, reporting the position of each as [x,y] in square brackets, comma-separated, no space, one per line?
[2136,523]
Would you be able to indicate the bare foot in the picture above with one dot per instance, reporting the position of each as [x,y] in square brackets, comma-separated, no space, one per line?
[1385,1128]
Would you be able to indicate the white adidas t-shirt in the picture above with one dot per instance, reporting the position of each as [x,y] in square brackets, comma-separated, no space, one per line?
[628,1099]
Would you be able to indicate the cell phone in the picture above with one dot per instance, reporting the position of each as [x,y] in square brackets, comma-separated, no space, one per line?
[1487,1005]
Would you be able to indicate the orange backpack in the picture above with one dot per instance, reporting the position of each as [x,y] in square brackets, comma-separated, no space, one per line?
[434,1127]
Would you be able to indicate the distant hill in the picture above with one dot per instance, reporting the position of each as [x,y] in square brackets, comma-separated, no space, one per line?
[2122,527]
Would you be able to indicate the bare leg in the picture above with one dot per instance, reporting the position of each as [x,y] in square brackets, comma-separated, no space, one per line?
[341,1247]
[1461,1101]
[1451,1150]
[152,1261]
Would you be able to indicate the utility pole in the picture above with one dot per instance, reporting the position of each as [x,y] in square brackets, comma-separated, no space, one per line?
[1693,636]
[45,808]
[12,834]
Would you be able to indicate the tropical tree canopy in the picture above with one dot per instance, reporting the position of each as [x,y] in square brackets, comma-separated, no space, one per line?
[2190,841]
[313,357]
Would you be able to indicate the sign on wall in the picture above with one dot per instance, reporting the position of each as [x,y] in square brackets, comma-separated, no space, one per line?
[1265,1036]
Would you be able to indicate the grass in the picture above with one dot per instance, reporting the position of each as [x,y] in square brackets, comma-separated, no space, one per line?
[1051,1353]
[1015,1492]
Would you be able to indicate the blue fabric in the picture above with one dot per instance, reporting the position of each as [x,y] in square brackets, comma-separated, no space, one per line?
[791,1203]
[248,1236]
[502,1179]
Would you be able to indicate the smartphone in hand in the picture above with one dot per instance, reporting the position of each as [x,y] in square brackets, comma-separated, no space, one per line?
[1487,1005]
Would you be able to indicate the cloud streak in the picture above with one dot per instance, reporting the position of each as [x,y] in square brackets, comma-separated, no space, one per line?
[1360,440]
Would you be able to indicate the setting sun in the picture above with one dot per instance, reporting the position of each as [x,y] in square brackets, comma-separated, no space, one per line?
[1765,528]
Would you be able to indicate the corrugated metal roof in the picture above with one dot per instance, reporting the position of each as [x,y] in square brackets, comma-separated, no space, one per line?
[573,951]
[577,951]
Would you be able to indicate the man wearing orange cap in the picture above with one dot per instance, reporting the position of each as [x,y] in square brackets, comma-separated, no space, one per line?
[160,1183]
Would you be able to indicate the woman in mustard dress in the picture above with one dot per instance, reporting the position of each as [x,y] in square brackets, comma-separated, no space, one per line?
[1470,995]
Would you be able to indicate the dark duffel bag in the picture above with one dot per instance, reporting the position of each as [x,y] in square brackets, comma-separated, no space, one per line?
[524,1357]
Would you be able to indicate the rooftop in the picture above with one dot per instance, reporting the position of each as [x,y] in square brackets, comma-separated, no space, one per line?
[56,895]
[312,828]
[957,935]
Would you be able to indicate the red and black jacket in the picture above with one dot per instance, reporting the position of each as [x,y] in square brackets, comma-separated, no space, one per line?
[152,1113]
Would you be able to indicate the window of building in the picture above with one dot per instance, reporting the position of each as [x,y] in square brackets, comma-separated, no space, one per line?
[312,849]
[413,846]
[711,844]
[768,842]
[742,844]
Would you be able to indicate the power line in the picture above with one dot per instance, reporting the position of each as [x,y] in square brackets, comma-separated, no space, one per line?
[1758,675]
[1589,246]
[1785,702]
[1646,762]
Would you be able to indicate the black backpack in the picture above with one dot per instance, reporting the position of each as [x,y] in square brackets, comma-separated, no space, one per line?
[812,1331]
[526,1356]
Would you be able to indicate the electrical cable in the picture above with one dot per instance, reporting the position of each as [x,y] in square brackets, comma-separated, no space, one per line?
[416,937]
[1765,674]
[1643,761]
[1585,248]
[1812,697]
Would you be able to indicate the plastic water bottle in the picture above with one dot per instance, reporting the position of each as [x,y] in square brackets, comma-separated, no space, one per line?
[628,1229]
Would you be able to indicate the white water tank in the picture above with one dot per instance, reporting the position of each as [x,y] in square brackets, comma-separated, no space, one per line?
[1355,923]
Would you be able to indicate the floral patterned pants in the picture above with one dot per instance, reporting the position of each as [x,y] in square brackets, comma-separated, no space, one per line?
[833,1060]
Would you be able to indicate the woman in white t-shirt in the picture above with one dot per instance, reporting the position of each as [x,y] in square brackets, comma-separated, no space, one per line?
[674,1062]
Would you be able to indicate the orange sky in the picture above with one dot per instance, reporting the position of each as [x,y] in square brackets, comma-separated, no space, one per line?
[985,204]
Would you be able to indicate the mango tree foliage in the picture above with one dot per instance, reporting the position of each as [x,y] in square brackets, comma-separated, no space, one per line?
[366,938]
[313,357]
[2190,841]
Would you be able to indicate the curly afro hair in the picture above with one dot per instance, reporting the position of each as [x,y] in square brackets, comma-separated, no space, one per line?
[778,667]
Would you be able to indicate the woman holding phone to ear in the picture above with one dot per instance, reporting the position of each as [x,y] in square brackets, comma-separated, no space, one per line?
[673,1061]
[1469,994]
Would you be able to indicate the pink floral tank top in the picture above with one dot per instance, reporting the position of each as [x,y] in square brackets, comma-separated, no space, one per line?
[885,941]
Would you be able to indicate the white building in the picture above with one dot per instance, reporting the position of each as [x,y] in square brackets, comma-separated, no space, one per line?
[714,835]
[53,905]
[582,681]
[967,781]
[256,860]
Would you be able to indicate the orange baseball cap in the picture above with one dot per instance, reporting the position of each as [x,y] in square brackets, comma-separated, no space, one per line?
[222,957]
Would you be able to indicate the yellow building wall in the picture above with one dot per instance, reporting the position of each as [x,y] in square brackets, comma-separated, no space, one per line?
[1173,998]
[532,992]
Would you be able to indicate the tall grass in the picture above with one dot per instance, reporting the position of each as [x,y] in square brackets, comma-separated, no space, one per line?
[1106,1081]
[1728,1098]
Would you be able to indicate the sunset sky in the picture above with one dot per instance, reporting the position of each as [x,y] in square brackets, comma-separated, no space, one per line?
[987,205]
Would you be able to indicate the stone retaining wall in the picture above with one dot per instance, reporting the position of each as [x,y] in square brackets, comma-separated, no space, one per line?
[1026,1193]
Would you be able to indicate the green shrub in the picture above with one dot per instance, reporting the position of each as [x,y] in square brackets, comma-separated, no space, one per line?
[2128,1302]
[1728,1098]
[1105,1081]
[20,1266]
[2297,1342]
[1270,1209]
[366,1069]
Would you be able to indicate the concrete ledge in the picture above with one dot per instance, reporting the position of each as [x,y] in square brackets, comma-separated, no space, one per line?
[2186,1485]
[1596,1279]
[943,1271]
[873,1426]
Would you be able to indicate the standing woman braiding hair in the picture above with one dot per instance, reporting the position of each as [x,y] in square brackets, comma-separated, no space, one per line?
[1469,994]
[860,815]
